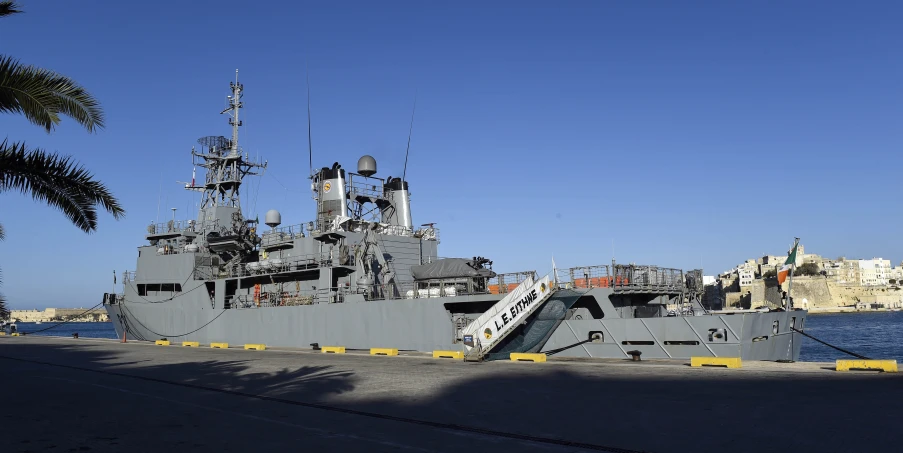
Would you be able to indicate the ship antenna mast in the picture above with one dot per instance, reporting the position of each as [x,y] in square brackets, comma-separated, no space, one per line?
[310,146]
[410,131]
[234,106]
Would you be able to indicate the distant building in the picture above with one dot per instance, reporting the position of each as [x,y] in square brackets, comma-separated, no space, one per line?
[810,258]
[874,272]
[843,271]
[60,314]
[746,273]
[896,274]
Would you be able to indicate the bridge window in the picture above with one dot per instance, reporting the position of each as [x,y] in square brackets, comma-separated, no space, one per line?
[159,289]
[171,287]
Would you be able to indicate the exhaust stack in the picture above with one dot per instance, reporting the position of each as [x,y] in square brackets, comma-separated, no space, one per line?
[398,212]
[332,197]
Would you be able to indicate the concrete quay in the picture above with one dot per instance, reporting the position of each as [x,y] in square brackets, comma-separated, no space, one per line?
[65,394]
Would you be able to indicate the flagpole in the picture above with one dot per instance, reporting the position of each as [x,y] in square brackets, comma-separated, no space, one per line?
[796,242]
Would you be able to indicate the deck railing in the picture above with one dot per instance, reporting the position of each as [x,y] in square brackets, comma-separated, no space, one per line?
[282,234]
[624,278]
[271,266]
[505,283]
[172,226]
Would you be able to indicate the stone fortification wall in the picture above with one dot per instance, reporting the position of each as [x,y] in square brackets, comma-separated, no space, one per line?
[816,293]
[760,293]
[821,293]
[58,314]
[812,292]
[844,295]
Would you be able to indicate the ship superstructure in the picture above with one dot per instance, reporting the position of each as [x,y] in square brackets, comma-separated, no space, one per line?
[359,274]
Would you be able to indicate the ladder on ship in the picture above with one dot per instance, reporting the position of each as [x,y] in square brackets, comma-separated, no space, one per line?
[490,328]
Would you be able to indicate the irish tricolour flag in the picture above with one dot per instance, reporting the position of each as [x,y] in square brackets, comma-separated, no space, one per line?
[788,265]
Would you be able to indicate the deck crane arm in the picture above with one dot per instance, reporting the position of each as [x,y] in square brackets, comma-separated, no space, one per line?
[368,246]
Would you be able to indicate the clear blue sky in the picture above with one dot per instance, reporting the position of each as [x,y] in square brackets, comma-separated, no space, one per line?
[684,133]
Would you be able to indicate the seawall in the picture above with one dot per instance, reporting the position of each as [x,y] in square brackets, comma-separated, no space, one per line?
[817,294]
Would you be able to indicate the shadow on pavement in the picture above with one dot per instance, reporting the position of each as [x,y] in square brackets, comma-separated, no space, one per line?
[642,408]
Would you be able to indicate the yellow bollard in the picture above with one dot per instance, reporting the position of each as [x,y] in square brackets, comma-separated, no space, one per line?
[730,362]
[888,366]
[524,357]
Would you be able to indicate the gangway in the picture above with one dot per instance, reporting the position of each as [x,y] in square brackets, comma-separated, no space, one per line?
[490,328]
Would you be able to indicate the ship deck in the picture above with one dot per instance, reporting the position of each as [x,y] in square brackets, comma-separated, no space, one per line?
[107,396]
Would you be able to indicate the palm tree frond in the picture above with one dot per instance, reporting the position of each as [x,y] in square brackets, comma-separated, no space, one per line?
[43,95]
[57,181]
[8,8]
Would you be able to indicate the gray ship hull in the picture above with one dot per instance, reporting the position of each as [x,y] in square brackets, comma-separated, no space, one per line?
[425,325]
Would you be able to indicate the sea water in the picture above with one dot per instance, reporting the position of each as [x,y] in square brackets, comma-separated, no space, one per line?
[84,329]
[876,335]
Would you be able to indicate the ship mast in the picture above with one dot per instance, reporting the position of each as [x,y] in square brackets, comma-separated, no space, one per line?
[222,158]
[234,105]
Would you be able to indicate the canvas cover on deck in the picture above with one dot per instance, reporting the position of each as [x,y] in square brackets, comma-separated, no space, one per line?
[450,268]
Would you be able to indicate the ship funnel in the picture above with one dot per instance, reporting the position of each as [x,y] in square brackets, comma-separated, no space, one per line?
[398,211]
[332,198]
[366,166]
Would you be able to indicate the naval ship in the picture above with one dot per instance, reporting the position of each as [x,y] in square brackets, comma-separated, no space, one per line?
[361,275]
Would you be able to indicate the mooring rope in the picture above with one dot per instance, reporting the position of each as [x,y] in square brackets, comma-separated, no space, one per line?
[858,356]
[65,321]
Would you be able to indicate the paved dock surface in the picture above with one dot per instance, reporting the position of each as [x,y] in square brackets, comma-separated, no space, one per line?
[66,395]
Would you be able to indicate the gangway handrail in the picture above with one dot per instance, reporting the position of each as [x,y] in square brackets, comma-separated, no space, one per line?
[494,325]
